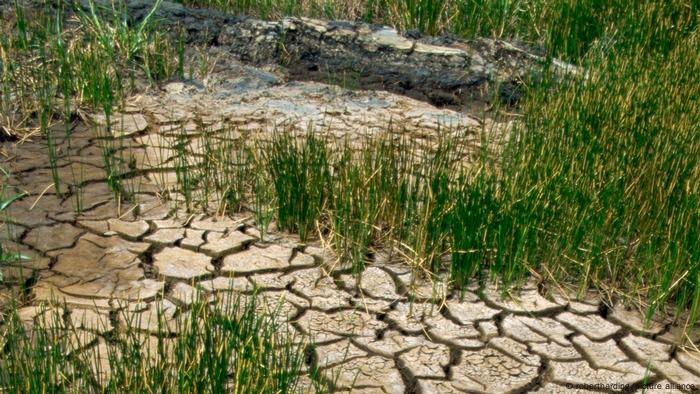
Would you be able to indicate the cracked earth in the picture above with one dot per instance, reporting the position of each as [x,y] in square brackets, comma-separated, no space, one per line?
[389,332]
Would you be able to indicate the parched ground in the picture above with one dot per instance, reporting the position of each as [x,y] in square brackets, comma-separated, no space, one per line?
[391,332]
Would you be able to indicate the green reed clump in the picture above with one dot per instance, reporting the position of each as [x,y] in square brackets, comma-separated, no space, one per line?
[600,185]
[230,347]
[471,223]
[300,172]
[92,64]
[354,204]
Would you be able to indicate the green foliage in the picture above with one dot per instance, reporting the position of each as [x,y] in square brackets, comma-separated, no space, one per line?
[232,347]
[5,202]
[299,170]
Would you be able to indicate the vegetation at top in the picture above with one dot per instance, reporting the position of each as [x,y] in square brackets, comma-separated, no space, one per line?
[568,29]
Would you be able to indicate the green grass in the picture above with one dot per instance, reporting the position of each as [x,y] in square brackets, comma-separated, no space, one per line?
[231,347]
[300,172]
[6,199]
[567,29]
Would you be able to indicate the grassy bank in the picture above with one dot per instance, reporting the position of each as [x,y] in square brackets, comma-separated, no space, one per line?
[227,348]
[566,28]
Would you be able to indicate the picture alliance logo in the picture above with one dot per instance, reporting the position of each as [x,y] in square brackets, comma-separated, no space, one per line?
[650,387]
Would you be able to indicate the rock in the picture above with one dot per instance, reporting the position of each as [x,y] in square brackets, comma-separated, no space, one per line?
[174,262]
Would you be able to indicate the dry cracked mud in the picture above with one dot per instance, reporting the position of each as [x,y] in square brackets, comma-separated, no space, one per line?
[390,332]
